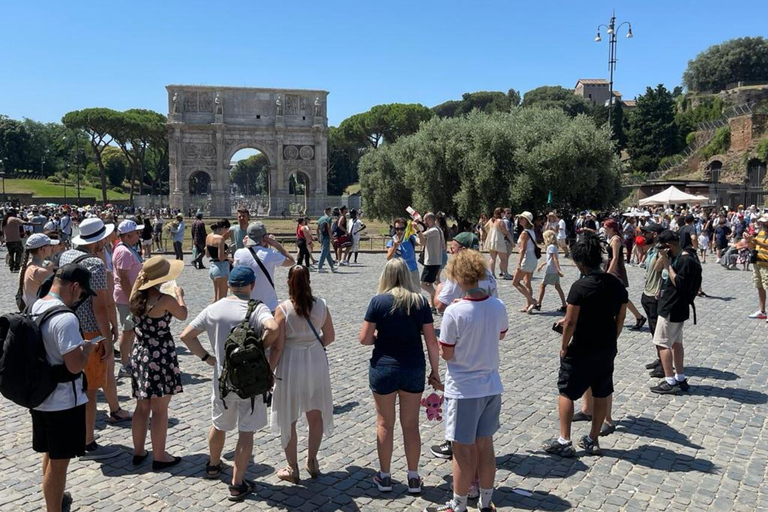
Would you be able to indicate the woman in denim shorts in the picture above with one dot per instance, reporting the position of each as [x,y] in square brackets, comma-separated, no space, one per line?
[393,324]
[216,250]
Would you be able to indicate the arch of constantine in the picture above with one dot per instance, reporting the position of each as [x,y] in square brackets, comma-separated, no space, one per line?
[207,125]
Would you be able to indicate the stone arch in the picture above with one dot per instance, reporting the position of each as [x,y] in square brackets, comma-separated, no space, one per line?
[208,125]
[713,169]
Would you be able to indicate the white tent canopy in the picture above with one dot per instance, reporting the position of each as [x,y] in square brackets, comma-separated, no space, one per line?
[672,195]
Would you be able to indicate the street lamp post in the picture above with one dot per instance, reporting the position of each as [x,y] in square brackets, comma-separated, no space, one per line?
[612,31]
[2,175]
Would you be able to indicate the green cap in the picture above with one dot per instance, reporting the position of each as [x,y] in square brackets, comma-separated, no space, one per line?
[468,240]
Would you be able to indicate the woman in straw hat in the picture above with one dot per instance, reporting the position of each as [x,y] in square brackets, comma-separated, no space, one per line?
[155,375]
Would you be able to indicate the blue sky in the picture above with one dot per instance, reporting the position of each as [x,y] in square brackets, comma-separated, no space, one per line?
[60,56]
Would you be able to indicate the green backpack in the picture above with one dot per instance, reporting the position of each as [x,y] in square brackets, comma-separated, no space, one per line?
[246,367]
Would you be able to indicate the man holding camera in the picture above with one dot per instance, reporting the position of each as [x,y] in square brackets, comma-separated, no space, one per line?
[681,276]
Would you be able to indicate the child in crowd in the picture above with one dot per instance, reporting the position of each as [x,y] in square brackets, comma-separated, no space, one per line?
[703,245]
[553,273]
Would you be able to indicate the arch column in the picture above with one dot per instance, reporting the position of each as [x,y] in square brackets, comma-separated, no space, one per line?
[220,200]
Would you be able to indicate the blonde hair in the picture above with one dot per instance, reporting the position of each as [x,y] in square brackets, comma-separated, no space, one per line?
[466,267]
[549,237]
[396,280]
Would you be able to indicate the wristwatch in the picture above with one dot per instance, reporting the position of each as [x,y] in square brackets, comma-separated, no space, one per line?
[205,357]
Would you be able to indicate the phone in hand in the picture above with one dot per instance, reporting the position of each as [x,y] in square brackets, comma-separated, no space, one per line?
[557,327]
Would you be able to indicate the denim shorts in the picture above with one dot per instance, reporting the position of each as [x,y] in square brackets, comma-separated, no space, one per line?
[219,269]
[384,379]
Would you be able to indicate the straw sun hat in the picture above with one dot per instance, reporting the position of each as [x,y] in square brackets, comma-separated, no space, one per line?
[158,270]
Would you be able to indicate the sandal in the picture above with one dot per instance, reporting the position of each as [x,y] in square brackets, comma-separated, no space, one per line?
[289,474]
[537,306]
[530,309]
[213,472]
[115,417]
[313,468]
[241,491]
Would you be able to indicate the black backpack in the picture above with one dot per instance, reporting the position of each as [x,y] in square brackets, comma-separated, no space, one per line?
[26,376]
[690,290]
[246,368]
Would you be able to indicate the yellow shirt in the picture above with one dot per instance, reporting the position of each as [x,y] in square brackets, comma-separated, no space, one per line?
[762,251]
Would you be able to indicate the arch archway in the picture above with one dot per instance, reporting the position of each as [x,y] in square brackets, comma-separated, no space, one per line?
[249,175]
[209,125]
[299,185]
[714,168]
[199,183]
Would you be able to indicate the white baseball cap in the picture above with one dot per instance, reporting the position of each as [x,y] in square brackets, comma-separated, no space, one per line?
[39,240]
[128,226]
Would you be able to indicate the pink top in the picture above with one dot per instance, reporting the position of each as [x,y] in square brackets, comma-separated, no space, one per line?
[126,261]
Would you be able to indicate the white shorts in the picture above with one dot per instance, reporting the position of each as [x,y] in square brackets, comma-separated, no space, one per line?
[146,243]
[238,414]
[667,333]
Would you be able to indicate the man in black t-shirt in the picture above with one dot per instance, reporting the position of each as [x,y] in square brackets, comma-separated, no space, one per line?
[597,305]
[681,270]
[687,234]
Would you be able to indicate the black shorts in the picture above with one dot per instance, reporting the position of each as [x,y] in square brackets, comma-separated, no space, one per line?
[429,274]
[60,434]
[651,307]
[577,374]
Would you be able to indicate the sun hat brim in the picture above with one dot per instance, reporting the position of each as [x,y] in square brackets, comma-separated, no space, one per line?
[108,229]
[174,271]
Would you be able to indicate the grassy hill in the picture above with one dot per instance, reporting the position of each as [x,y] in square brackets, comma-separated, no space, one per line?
[44,188]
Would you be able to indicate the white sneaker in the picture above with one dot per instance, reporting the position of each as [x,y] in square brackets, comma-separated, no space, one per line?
[759,315]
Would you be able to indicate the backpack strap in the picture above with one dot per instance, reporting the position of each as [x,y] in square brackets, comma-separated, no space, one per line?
[261,266]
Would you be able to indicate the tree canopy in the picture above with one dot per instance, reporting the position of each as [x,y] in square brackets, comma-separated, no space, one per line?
[251,175]
[653,132]
[557,97]
[469,165]
[484,101]
[744,59]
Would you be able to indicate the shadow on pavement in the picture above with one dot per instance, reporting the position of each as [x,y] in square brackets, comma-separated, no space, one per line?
[517,499]
[710,373]
[540,466]
[648,427]
[663,459]
[744,396]
[341,409]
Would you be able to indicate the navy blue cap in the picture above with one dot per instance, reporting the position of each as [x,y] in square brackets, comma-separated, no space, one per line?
[241,276]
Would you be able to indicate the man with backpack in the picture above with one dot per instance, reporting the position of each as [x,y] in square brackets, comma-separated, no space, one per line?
[681,280]
[233,410]
[262,254]
[58,423]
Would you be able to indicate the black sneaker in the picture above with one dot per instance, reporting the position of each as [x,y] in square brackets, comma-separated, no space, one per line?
[414,485]
[66,502]
[665,388]
[554,447]
[591,447]
[442,451]
[492,508]
[655,364]
[684,386]
[657,373]
[384,483]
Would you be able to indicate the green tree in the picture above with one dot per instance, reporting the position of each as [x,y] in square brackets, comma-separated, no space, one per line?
[484,101]
[743,59]
[653,133]
[115,165]
[251,175]
[15,144]
[99,124]
[384,123]
[469,165]
[137,129]
[343,157]
[557,97]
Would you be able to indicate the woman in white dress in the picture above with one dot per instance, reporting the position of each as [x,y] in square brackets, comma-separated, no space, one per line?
[496,243]
[303,383]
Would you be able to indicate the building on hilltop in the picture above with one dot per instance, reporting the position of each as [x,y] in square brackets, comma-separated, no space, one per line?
[596,91]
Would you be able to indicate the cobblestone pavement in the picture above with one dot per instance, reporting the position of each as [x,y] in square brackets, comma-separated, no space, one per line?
[704,450]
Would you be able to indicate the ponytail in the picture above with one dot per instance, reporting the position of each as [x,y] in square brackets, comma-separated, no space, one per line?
[138,300]
[23,271]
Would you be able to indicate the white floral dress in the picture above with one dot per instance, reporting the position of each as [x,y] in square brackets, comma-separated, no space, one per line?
[153,359]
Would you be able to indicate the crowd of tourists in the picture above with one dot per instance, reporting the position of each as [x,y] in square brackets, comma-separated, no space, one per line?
[125,300]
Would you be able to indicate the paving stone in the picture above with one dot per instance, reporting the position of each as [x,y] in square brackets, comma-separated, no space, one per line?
[702,450]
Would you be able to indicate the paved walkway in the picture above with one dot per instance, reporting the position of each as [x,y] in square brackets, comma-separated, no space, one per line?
[705,450]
